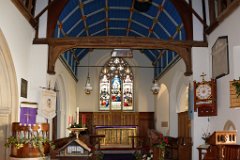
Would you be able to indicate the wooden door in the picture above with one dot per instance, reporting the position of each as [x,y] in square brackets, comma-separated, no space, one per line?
[54,128]
[184,125]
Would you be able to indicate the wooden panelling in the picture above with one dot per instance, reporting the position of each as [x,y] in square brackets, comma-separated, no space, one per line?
[101,119]
[146,122]
[115,118]
[89,120]
[129,118]
[184,125]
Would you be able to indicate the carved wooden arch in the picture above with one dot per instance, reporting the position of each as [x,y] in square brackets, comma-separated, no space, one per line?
[59,46]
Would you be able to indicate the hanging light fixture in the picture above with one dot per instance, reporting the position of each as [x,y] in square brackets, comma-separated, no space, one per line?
[155,87]
[88,87]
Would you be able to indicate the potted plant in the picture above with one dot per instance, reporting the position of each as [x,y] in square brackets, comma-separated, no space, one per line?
[236,84]
[235,93]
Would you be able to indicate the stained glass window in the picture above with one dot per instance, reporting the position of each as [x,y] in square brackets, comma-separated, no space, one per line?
[116,86]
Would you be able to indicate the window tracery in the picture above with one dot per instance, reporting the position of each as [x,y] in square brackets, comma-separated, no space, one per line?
[116,86]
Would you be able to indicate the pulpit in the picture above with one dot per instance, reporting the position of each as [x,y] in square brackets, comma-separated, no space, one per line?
[222,146]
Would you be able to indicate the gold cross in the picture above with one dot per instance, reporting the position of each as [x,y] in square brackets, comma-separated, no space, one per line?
[203,75]
[27,115]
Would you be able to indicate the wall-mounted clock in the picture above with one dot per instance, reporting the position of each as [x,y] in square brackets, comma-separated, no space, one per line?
[205,97]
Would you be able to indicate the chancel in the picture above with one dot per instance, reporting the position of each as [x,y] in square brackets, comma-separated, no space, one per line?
[119,79]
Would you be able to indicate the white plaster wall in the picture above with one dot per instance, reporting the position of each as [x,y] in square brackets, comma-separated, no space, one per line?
[37,73]
[143,97]
[40,5]
[162,110]
[174,80]
[201,62]
[197,25]
[229,27]
[183,99]
[30,61]
[18,34]
[68,92]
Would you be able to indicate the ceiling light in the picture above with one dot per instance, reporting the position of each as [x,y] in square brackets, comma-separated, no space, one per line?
[155,87]
[88,87]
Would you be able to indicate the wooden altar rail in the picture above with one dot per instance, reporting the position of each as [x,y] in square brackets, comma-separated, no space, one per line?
[223,152]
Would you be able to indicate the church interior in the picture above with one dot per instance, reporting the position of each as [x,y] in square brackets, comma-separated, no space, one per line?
[119,79]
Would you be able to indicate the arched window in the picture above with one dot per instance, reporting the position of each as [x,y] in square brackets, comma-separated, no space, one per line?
[116,86]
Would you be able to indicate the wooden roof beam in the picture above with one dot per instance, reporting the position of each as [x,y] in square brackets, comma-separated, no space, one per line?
[119,42]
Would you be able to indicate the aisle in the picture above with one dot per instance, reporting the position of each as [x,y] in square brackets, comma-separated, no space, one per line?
[128,156]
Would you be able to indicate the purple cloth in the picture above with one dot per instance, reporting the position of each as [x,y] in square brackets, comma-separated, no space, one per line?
[28,115]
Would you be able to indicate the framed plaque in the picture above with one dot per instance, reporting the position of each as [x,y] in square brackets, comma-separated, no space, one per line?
[220,60]
[24,88]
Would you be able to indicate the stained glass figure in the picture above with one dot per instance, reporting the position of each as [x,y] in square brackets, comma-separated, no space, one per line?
[116,85]
[127,94]
[104,93]
[116,93]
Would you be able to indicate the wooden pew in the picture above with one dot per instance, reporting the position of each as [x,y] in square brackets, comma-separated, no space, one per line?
[178,148]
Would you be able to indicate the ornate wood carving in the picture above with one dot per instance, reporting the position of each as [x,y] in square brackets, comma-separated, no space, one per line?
[58,45]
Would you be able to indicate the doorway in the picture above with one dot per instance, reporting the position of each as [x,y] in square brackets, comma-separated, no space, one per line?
[59,122]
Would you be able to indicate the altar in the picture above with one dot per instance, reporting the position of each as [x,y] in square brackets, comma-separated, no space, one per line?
[117,136]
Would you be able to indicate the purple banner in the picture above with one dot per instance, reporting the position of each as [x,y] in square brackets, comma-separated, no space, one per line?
[28,115]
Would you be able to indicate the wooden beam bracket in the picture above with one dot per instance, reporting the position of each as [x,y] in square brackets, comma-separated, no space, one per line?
[57,46]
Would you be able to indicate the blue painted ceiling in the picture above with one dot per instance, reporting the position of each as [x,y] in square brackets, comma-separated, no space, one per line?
[119,18]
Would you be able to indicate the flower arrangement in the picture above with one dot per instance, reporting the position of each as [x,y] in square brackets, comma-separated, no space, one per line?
[159,144]
[144,156]
[34,141]
[39,143]
[162,142]
[206,135]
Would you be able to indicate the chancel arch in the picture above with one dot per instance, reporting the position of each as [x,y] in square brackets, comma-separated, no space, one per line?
[8,94]
[183,99]
[162,110]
